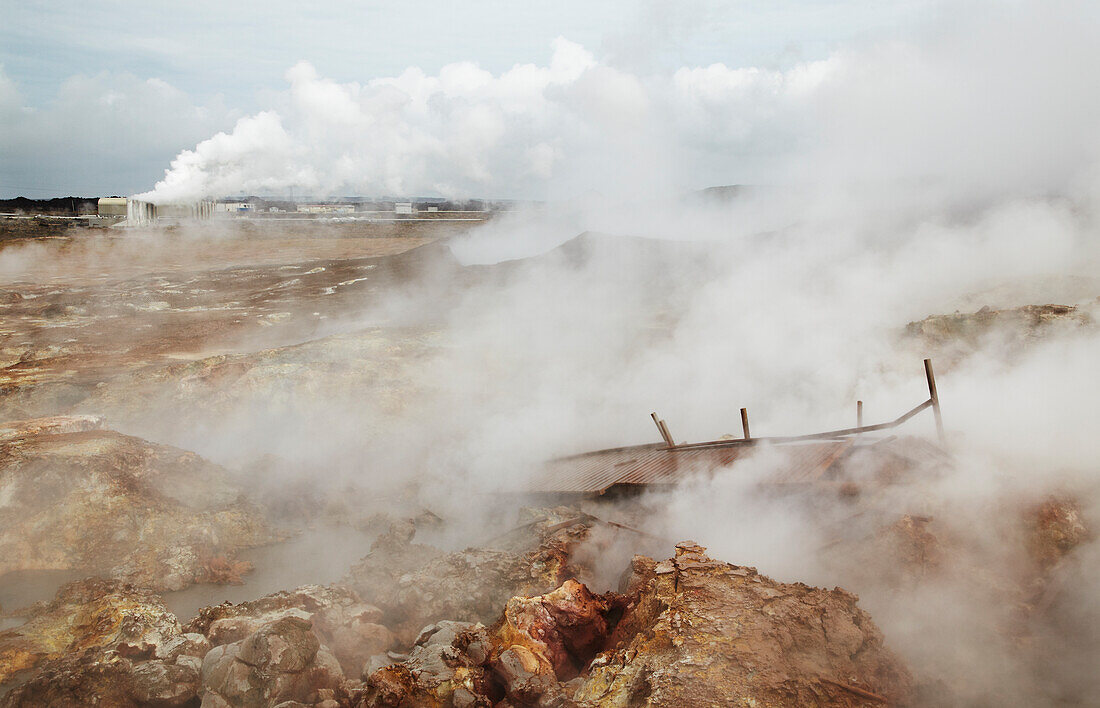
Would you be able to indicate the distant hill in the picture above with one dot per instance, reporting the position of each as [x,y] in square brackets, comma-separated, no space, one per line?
[59,206]
[723,193]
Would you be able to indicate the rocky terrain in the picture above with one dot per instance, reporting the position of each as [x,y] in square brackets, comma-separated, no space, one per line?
[953,337]
[294,362]
[685,630]
[82,498]
[508,624]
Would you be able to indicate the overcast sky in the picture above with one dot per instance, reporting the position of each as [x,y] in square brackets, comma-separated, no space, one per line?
[97,98]
[511,99]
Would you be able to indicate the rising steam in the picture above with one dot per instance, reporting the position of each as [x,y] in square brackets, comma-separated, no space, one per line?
[958,163]
[988,99]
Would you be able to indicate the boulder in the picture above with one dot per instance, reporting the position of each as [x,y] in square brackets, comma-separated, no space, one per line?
[1056,526]
[282,661]
[445,668]
[543,640]
[417,585]
[340,620]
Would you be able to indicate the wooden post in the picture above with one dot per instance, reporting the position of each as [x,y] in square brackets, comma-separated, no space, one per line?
[667,435]
[662,429]
[935,398]
[859,414]
[657,422]
[745,423]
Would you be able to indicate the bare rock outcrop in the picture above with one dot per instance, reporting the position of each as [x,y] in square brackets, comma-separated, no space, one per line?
[1056,527]
[687,631]
[92,613]
[417,585]
[108,504]
[952,337]
[708,633]
[281,661]
[339,619]
[108,643]
[547,639]
[446,667]
[101,642]
[94,678]
[15,429]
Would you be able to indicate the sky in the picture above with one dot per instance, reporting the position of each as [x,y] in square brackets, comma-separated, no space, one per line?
[99,101]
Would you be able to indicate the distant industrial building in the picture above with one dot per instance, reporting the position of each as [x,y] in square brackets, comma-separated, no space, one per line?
[112,206]
[140,212]
[235,207]
[137,211]
[326,209]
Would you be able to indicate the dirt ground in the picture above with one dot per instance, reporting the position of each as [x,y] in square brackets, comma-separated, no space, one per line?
[74,251]
[80,306]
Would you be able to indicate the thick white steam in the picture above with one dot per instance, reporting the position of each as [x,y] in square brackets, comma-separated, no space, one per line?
[993,97]
[955,164]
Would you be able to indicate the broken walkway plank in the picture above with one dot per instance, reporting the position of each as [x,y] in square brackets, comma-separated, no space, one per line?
[597,472]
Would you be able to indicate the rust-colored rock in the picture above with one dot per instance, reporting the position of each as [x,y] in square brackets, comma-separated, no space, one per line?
[220,570]
[543,640]
[1056,528]
[416,585]
[557,628]
[724,634]
[687,631]
[915,550]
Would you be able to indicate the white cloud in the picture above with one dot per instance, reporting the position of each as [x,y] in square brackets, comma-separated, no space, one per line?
[464,132]
[541,159]
[959,105]
[956,106]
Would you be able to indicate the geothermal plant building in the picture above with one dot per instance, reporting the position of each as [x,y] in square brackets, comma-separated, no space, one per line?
[137,211]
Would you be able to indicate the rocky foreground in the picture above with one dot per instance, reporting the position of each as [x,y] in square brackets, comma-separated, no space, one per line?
[514,623]
[261,350]
[689,630]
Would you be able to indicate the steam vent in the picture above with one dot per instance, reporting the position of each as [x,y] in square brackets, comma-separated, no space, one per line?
[571,355]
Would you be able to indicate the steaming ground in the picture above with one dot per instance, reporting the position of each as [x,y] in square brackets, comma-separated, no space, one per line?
[340,378]
[379,397]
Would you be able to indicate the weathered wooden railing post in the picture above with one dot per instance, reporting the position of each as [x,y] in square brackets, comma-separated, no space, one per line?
[663,430]
[935,398]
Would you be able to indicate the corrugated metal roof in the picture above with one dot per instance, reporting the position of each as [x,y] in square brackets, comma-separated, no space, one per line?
[596,472]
